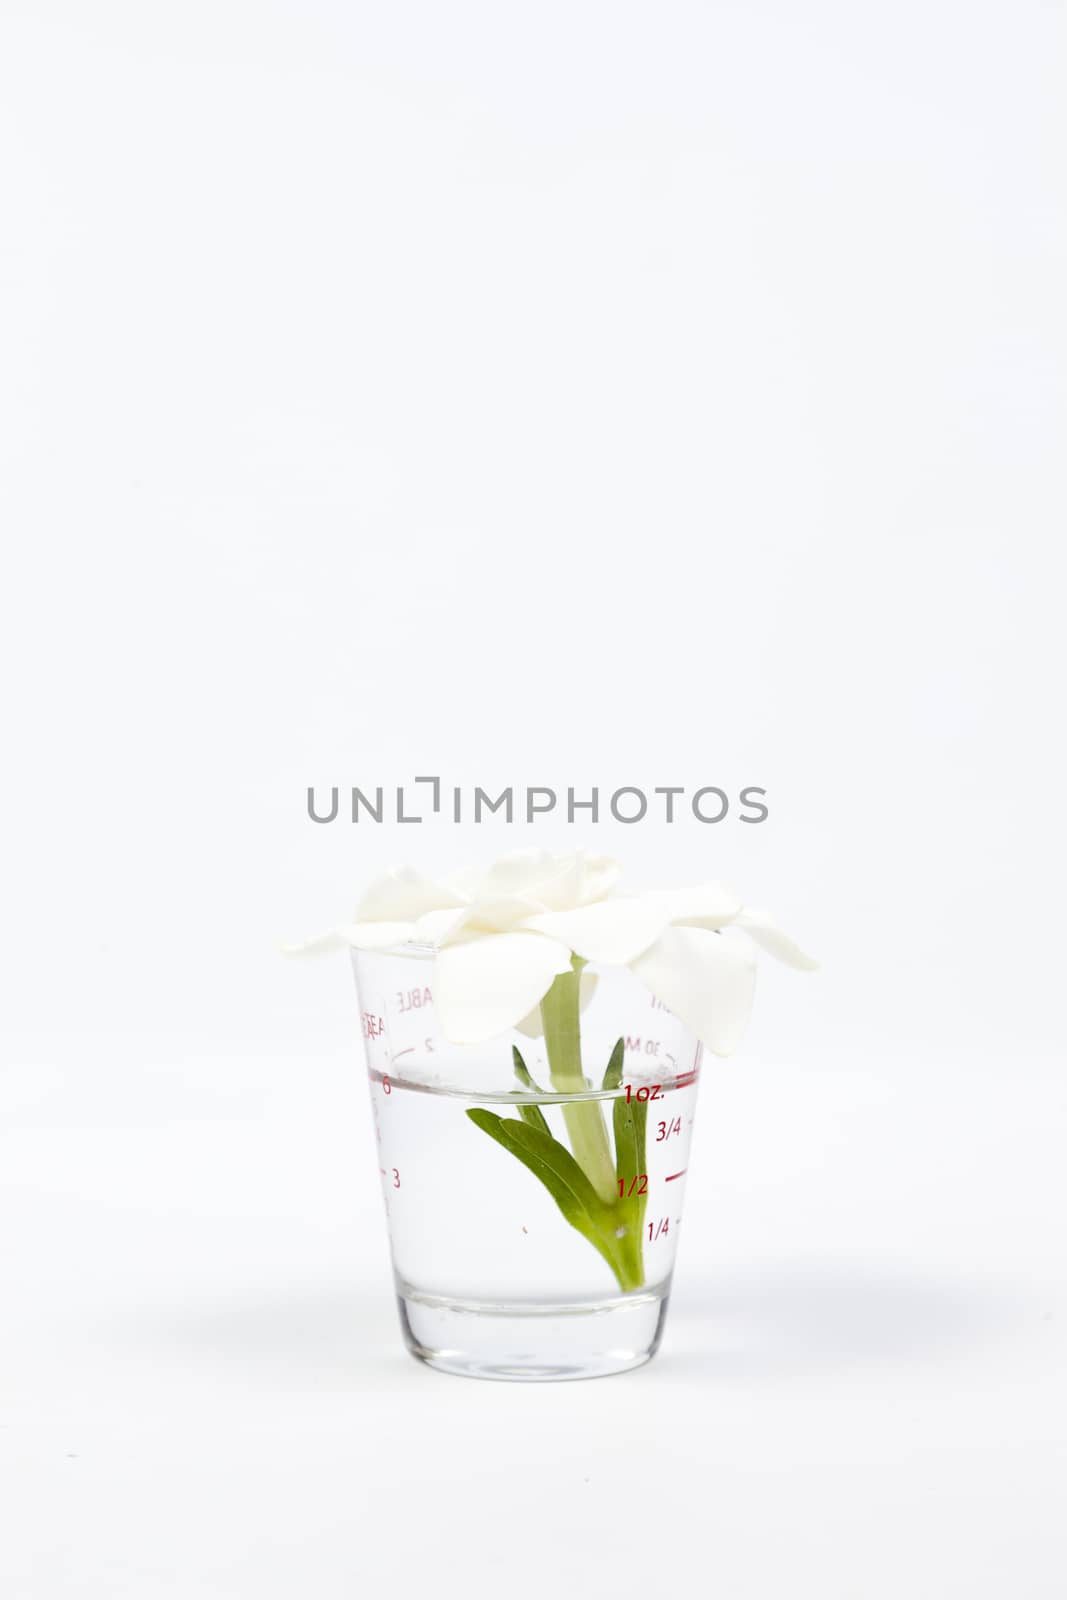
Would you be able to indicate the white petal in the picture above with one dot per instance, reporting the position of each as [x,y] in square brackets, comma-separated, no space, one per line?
[555,881]
[486,916]
[599,876]
[434,927]
[614,931]
[769,937]
[532,1024]
[519,872]
[485,986]
[560,887]
[464,882]
[707,979]
[403,894]
[499,914]
[578,880]
[355,935]
[709,905]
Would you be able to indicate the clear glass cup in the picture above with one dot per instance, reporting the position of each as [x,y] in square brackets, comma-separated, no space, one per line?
[533,1229]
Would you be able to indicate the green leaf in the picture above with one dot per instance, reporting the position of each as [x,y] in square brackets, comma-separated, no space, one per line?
[554,1166]
[613,1070]
[533,1116]
[522,1072]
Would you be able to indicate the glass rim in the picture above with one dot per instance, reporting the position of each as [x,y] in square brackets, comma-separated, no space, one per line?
[671,1084]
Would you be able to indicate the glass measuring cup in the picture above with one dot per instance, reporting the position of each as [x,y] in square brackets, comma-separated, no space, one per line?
[533,1232]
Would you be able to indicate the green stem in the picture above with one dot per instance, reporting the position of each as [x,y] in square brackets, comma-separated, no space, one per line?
[584,1119]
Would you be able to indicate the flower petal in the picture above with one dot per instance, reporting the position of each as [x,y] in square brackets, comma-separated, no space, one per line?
[769,937]
[403,894]
[614,931]
[707,979]
[435,927]
[600,874]
[486,985]
[555,881]
[708,905]
[500,914]
[519,872]
[579,880]
[467,922]
[355,935]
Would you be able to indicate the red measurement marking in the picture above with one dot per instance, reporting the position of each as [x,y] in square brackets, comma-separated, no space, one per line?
[373,1026]
[647,1091]
[659,1229]
[638,1184]
[684,1080]
[666,1129]
[413,999]
[676,1175]
[387,1087]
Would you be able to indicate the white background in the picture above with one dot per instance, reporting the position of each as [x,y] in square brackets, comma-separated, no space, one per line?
[559,394]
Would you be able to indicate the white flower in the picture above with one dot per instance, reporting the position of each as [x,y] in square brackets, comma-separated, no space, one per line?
[501,937]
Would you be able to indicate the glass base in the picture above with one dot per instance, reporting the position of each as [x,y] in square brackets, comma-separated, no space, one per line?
[533,1343]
